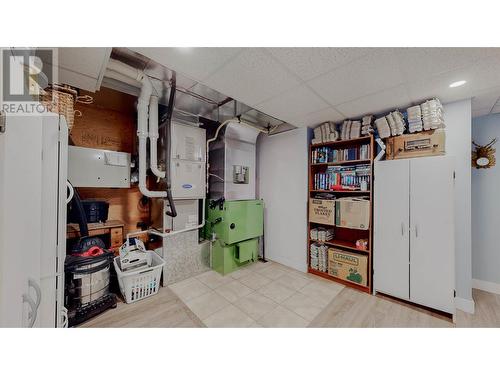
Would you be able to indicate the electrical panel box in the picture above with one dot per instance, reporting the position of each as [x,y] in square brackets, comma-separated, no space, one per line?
[89,167]
[188,167]
[240,174]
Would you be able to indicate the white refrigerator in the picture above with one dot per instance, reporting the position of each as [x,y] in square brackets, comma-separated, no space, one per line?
[33,170]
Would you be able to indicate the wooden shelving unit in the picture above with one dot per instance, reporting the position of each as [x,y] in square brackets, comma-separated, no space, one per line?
[344,238]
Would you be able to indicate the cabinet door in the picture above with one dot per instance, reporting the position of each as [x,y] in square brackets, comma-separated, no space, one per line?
[390,228]
[432,261]
[20,218]
[53,197]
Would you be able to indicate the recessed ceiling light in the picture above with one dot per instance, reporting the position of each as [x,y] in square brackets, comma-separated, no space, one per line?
[458,83]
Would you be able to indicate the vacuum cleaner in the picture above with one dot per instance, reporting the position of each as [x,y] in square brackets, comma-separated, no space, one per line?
[87,272]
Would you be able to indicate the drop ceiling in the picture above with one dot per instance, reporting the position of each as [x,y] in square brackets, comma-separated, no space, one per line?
[306,86]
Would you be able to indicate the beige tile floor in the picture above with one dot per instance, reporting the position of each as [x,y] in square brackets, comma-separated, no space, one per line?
[276,296]
[162,310]
[259,295]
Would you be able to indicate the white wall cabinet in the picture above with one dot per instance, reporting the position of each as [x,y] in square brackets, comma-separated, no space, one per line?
[414,250]
[32,220]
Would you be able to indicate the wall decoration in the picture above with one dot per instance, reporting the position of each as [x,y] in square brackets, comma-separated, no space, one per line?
[483,156]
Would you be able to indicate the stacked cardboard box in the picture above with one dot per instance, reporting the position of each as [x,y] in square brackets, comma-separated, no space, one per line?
[352,213]
[322,211]
[348,266]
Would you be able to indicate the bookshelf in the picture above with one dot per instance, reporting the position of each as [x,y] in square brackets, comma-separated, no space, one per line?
[343,238]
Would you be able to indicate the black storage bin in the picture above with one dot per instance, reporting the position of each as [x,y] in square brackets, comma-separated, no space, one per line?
[95,210]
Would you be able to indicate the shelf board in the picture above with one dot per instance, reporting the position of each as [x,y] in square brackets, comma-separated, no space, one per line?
[343,142]
[341,191]
[326,275]
[343,162]
[344,244]
[337,226]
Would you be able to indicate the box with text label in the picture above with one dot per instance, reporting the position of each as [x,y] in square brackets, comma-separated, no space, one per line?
[322,211]
[348,266]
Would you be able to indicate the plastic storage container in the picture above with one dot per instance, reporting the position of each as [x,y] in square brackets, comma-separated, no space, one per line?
[141,283]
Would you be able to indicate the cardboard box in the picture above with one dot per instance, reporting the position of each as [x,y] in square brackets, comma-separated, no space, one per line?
[426,143]
[348,266]
[352,213]
[322,211]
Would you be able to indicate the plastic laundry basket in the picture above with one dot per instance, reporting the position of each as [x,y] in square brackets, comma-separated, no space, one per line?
[139,284]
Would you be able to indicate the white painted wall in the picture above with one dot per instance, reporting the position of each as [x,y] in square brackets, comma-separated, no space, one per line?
[486,206]
[457,118]
[282,184]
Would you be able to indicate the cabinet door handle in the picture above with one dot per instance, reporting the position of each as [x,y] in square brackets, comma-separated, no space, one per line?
[416,230]
[402,229]
[32,315]
[70,193]
[33,284]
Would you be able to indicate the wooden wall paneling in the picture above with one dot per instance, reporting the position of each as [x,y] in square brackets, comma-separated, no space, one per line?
[110,124]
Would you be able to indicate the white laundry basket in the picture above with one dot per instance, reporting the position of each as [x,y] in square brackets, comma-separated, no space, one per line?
[139,284]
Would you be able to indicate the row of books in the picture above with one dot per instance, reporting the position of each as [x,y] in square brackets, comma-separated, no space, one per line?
[330,155]
[355,177]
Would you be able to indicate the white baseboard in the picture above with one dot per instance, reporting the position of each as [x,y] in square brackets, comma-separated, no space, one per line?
[466,305]
[487,286]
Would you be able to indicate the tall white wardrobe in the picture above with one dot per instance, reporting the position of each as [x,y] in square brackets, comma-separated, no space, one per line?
[414,250]
[33,169]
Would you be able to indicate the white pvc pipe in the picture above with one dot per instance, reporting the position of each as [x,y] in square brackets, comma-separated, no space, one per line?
[142,120]
[125,69]
[121,78]
[168,234]
[142,133]
[153,136]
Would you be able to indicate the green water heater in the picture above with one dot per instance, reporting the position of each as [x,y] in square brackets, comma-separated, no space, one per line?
[235,228]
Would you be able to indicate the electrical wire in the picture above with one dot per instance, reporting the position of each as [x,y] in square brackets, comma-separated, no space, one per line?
[214,175]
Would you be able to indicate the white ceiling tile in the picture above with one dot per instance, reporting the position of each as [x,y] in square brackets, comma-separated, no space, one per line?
[315,118]
[477,112]
[252,77]
[379,102]
[366,75]
[495,109]
[486,99]
[311,62]
[83,60]
[417,63]
[482,76]
[294,103]
[196,63]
